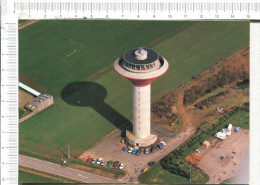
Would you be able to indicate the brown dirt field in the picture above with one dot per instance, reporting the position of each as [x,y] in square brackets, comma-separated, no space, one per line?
[28,81]
[234,148]
[24,98]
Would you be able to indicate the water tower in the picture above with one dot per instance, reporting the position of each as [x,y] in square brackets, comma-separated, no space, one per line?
[141,66]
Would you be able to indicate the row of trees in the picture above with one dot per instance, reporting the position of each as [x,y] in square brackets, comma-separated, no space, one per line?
[226,76]
[209,100]
[162,109]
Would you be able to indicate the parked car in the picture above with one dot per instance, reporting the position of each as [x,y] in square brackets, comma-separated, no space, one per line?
[152,149]
[94,160]
[163,143]
[151,163]
[138,152]
[237,129]
[134,151]
[146,151]
[115,164]
[160,146]
[121,166]
[99,160]
[130,150]
[102,163]
[109,163]
[89,159]
[125,148]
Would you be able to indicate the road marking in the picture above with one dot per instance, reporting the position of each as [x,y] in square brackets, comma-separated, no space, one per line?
[82,176]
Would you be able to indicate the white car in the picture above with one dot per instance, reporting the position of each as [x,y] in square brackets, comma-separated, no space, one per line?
[163,143]
[99,160]
[121,166]
[130,150]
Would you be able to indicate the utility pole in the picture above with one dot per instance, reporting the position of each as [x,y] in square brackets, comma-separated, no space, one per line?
[190,172]
[68,151]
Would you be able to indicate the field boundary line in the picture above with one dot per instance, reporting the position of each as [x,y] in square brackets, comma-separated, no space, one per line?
[26,23]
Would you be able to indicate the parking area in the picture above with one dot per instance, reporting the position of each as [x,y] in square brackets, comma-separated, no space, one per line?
[110,148]
[224,159]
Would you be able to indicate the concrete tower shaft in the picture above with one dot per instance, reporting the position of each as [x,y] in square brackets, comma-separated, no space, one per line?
[142,112]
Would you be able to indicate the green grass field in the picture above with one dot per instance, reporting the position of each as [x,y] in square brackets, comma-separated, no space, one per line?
[73,61]
[157,175]
[30,178]
[240,119]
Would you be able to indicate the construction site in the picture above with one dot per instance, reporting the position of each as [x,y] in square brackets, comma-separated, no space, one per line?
[222,158]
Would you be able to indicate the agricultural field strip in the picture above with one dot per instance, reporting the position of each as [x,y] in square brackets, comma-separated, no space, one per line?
[57,123]
[28,177]
[41,174]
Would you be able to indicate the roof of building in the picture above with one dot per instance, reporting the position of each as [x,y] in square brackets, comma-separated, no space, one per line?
[29,89]
[34,103]
[41,98]
[130,56]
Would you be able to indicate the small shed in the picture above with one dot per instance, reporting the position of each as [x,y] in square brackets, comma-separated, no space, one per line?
[205,144]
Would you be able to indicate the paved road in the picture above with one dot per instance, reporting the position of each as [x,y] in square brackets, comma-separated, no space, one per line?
[63,171]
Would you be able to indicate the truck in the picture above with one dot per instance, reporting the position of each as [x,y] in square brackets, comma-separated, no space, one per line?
[220,135]
[230,126]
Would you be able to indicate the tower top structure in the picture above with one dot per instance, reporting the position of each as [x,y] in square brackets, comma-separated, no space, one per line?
[141,66]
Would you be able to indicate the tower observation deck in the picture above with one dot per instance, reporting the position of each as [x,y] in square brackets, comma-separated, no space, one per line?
[141,66]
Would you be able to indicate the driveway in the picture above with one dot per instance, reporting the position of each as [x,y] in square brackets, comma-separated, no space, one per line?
[111,149]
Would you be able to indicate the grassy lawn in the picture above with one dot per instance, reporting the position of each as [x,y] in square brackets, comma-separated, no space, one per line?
[240,119]
[30,178]
[157,175]
[72,60]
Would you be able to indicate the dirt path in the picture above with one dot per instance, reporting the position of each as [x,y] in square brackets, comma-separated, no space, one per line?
[182,112]
[189,121]
[26,23]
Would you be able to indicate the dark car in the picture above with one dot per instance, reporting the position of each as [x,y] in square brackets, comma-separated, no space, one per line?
[151,163]
[134,151]
[152,149]
[138,152]
[125,148]
[146,151]
[160,146]
[109,163]
[116,163]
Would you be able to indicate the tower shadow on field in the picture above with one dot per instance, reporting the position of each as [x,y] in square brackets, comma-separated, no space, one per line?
[90,94]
